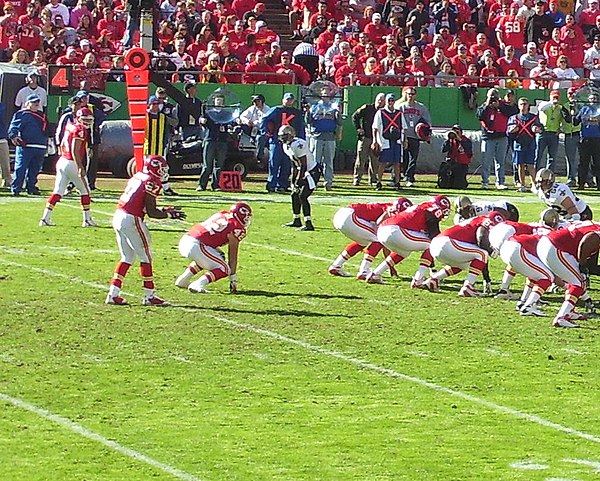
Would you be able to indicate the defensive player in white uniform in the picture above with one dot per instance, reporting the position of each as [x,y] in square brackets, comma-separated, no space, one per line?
[305,175]
[466,209]
[133,236]
[560,197]
[70,167]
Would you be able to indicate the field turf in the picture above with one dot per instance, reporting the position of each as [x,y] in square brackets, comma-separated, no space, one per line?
[301,376]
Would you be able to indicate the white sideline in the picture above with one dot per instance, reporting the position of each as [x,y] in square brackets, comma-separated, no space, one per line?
[86,433]
[351,360]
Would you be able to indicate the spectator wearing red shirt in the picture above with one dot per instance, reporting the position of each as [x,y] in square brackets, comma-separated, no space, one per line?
[8,25]
[352,68]
[264,35]
[257,71]
[202,56]
[430,49]
[372,71]
[439,58]
[321,12]
[237,36]
[69,58]
[86,28]
[461,61]
[587,17]
[109,23]
[246,48]
[464,12]
[340,59]
[291,72]
[233,70]
[32,16]
[325,40]
[274,55]
[541,75]
[510,30]
[489,73]
[571,25]
[369,52]
[363,41]
[105,49]
[389,41]
[468,34]
[30,36]
[240,7]
[376,30]
[20,6]
[480,46]
[421,71]
[509,62]
[552,48]
[571,48]
[387,62]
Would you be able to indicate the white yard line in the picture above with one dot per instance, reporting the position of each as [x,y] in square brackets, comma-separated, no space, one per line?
[351,360]
[77,428]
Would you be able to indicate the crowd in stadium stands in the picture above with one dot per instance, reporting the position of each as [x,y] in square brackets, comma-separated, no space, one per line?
[484,43]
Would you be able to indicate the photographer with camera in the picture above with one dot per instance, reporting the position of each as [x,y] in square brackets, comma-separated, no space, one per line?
[493,116]
[459,153]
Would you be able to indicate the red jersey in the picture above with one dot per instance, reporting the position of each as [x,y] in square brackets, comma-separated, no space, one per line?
[369,211]
[415,217]
[67,144]
[214,231]
[528,242]
[512,31]
[133,200]
[466,231]
[30,38]
[569,238]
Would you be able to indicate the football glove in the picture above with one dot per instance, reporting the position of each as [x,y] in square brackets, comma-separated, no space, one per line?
[233,283]
[174,212]
[494,253]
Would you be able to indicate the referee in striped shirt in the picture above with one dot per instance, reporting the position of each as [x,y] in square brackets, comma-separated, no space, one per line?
[157,134]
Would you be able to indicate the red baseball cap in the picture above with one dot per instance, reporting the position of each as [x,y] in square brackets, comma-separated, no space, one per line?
[555,93]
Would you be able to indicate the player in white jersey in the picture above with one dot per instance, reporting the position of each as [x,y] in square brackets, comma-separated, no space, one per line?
[305,175]
[466,209]
[559,196]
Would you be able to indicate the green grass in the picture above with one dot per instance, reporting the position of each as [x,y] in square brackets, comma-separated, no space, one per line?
[301,376]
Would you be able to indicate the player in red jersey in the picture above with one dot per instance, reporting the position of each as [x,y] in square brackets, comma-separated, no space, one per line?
[520,253]
[549,220]
[133,236]
[359,222]
[70,167]
[202,246]
[567,253]
[464,246]
[406,232]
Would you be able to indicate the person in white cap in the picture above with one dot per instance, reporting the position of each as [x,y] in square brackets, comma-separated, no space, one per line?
[32,88]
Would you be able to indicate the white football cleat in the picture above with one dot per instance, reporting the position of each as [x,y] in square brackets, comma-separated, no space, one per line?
[576,316]
[154,301]
[46,223]
[468,291]
[563,322]
[532,310]
[116,300]
[432,284]
[505,294]
[89,223]
[362,276]
[373,278]
[198,289]
[338,271]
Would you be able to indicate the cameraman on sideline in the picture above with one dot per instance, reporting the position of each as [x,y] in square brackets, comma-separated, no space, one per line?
[459,152]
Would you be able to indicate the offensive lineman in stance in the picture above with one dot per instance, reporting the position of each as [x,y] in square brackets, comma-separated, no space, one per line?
[133,236]
[359,222]
[305,175]
[70,167]
[201,245]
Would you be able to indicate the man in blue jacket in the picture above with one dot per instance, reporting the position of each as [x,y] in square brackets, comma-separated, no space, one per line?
[28,131]
[280,165]
[4,153]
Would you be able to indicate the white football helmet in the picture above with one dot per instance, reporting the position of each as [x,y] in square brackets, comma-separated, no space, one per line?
[544,179]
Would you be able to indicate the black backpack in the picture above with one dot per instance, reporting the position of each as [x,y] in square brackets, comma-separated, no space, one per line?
[445,175]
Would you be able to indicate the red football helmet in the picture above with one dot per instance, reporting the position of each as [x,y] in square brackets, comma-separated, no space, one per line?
[156,166]
[242,212]
[401,204]
[493,218]
[444,203]
[85,117]
[423,131]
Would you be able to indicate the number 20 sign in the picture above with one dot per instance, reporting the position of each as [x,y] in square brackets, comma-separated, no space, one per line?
[230,181]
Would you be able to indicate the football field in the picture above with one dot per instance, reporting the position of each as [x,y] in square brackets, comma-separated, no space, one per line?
[300,376]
